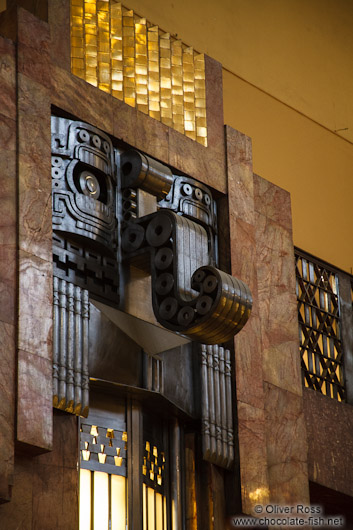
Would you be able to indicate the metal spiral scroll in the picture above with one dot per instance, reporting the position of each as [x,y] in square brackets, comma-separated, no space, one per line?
[188,294]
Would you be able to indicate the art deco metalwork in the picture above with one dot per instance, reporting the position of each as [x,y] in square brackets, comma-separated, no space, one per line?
[176,243]
[216,403]
[319,327]
[157,456]
[103,448]
[70,347]
[85,242]
[103,471]
[84,208]
[189,294]
[126,56]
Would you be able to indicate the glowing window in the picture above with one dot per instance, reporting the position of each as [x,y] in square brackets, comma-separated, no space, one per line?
[319,327]
[103,480]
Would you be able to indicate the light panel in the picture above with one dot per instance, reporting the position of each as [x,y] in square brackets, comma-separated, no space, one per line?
[126,56]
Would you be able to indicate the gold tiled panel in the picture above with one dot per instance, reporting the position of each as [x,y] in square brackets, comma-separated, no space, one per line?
[125,55]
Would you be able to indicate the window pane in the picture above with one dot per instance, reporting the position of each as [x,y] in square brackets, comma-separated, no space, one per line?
[85,499]
[144,507]
[118,492]
[150,501]
[159,511]
[101,505]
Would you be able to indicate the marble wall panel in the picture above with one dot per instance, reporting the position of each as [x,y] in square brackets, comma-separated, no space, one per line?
[253,458]
[65,442]
[8,213]
[268,376]
[46,486]
[35,306]
[33,48]
[17,514]
[34,377]
[273,202]
[243,243]
[285,426]
[286,446]
[58,16]
[214,108]
[281,367]
[8,230]
[34,168]
[34,413]
[151,136]
[329,424]
[248,364]
[8,79]
[248,343]
[240,175]
[56,487]
[7,408]
[276,291]
[38,7]
[86,102]
[200,162]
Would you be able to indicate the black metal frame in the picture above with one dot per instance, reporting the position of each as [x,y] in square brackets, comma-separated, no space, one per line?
[325,326]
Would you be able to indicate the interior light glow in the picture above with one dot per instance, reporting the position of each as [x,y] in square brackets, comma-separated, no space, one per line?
[118,504]
[144,507]
[85,500]
[151,509]
[159,511]
[101,501]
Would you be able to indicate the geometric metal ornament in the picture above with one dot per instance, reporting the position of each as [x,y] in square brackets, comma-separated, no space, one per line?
[216,404]
[85,229]
[85,250]
[319,327]
[178,246]
[70,348]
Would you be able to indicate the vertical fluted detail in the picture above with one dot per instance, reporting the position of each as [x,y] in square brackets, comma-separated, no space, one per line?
[62,345]
[222,385]
[216,405]
[217,398]
[70,348]
[85,374]
[228,377]
[211,400]
[56,342]
[70,357]
[206,440]
[78,350]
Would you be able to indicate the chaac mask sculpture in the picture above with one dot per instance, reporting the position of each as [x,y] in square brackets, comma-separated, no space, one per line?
[85,244]
[174,239]
[84,208]
[189,294]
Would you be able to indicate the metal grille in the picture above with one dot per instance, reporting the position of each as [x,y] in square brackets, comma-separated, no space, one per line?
[103,449]
[153,468]
[319,327]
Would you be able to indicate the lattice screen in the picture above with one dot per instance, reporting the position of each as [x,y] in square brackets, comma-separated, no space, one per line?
[103,471]
[320,328]
[103,449]
[125,55]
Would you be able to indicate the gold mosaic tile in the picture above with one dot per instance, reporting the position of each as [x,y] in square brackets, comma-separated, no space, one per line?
[123,54]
